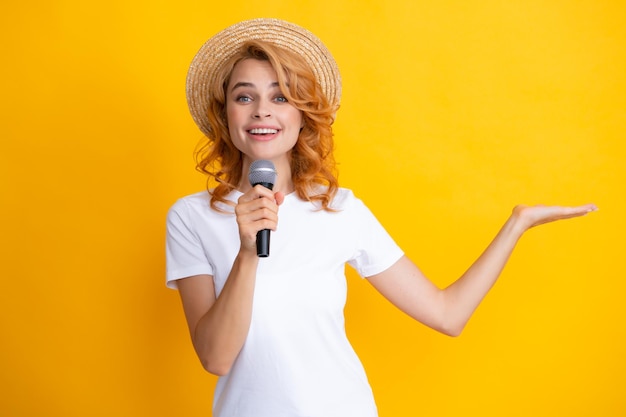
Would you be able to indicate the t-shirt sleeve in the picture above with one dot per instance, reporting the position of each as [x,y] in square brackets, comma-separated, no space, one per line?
[184,253]
[376,250]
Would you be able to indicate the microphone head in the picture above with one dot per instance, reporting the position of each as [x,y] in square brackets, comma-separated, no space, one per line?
[262,172]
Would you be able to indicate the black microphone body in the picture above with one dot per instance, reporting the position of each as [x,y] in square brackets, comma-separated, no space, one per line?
[262,172]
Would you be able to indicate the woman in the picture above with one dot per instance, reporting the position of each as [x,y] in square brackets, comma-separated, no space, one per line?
[272,328]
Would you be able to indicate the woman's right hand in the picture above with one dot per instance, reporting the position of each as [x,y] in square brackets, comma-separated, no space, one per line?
[256,209]
[219,325]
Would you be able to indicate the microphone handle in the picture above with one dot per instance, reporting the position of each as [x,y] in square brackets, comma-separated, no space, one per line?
[263,243]
[263,236]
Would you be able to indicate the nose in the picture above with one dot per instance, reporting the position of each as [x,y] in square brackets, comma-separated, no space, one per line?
[261,110]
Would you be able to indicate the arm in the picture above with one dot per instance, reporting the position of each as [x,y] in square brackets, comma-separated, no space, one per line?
[219,325]
[448,310]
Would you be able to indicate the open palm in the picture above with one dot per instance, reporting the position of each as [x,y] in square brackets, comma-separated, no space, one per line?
[540,214]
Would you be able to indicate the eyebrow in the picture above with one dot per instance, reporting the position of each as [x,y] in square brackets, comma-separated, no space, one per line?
[249,84]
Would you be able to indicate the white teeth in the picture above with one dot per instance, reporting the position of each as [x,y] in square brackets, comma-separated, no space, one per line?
[262,131]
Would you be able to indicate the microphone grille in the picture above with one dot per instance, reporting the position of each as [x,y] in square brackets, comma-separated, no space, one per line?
[262,171]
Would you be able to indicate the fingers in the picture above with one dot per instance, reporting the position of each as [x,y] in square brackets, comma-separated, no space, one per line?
[588,208]
[262,213]
[569,212]
[280,197]
[256,210]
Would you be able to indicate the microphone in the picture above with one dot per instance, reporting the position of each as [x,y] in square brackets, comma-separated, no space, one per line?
[262,172]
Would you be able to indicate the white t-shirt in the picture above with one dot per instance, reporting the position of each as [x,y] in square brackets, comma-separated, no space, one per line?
[296,361]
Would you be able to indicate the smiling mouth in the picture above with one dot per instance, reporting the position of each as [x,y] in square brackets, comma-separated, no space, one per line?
[263,131]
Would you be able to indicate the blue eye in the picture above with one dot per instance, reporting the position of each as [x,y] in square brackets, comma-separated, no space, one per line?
[243,99]
[282,99]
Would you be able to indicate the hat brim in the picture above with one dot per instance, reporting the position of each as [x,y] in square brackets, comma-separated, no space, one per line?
[222,46]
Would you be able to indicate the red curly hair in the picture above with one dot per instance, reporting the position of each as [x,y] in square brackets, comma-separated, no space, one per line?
[312,160]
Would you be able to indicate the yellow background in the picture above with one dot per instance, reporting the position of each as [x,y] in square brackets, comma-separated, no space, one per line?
[453,112]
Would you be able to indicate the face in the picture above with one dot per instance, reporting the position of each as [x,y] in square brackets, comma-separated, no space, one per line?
[261,122]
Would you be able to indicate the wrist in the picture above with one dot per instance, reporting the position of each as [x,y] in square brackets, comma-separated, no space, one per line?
[518,221]
[247,255]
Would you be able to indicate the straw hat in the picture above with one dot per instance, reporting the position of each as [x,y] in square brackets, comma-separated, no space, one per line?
[217,50]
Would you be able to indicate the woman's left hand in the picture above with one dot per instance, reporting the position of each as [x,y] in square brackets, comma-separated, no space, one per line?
[531,216]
